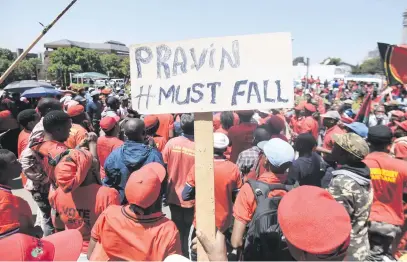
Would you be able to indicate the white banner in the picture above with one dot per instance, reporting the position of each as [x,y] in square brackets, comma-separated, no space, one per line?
[213,74]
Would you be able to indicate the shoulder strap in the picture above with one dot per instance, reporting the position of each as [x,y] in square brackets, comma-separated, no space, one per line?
[54,161]
[261,190]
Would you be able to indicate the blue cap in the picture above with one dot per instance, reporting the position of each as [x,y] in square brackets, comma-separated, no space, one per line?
[358,128]
[277,151]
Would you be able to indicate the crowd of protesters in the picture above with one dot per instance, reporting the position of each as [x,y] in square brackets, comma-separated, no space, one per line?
[321,181]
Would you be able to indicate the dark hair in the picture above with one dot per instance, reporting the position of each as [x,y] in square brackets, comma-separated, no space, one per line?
[305,143]
[26,116]
[79,118]
[55,119]
[227,119]
[4,153]
[245,118]
[109,132]
[112,101]
[46,105]
[187,123]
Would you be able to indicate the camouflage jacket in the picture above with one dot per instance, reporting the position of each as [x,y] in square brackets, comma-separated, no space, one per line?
[355,193]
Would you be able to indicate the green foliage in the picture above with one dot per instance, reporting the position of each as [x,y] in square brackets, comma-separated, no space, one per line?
[332,61]
[6,54]
[125,67]
[73,60]
[369,66]
[111,65]
[25,70]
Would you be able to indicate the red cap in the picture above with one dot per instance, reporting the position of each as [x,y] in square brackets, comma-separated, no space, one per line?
[150,121]
[400,150]
[144,185]
[310,107]
[5,114]
[299,107]
[108,122]
[276,123]
[75,110]
[402,125]
[62,246]
[306,223]
[397,113]
[106,91]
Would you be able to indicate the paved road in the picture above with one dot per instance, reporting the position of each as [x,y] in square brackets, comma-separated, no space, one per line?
[18,190]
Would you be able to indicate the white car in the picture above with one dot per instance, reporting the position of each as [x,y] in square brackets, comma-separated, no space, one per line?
[117,81]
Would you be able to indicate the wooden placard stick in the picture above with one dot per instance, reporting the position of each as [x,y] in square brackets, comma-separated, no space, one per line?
[205,194]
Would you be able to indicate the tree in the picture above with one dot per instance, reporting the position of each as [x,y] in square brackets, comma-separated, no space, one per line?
[370,66]
[111,65]
[6,54]
[125,67]
[331,61]
[26,69]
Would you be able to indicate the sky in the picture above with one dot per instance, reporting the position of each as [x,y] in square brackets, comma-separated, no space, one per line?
[320,28]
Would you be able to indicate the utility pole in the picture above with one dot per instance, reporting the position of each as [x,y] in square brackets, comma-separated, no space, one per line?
[28,49]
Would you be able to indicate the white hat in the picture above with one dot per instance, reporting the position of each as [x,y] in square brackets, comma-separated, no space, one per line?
[220,140]
[176,258]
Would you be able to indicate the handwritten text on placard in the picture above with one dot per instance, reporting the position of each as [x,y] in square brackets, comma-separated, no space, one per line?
[230,73]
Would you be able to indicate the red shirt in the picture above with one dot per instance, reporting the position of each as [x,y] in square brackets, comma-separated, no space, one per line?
[166,124]
[309,125]
[123,235]
[227,178]
[328,142]
[13,210]
[104,146]
[179,155]
[241,138]
[160,142]
[296,123]
[81,208]
[22,141]
[76,135]
[245,203]
[388,175]
[50,149]
[21,145]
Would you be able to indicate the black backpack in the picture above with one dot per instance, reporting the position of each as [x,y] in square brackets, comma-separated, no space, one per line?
[264,239]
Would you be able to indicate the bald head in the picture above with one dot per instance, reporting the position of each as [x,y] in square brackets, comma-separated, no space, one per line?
[261,134]
[134,129]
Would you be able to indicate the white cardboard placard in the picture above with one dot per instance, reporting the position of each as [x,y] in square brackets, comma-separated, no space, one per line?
[213,74]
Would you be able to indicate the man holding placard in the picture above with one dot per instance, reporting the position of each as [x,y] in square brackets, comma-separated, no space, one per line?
[211,75]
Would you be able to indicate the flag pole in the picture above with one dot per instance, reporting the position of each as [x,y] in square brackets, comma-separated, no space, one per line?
[44,31]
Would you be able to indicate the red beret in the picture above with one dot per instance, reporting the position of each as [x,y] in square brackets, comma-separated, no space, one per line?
[108,122]
[313,221]
[276,123]
[150,121]
[106,91]
[397,113]
[310,107]
[299,107]
[5,114]
[75,110]
[402,125]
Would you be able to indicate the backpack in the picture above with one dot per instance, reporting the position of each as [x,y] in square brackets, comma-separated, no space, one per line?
[265,240]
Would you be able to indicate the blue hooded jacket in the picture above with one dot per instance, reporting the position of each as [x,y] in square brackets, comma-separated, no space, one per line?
[131,156]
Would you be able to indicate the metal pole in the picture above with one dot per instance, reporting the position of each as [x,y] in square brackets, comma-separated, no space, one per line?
[306,81]
[21,57]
